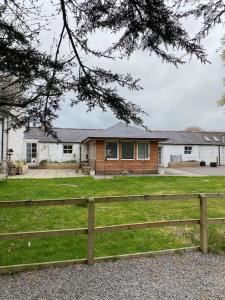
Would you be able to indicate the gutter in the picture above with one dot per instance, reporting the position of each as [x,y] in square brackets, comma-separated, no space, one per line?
[125,138]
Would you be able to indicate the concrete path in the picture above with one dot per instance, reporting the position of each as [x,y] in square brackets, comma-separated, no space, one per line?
[197,171]
[207,171]
[180,172]
[47,173]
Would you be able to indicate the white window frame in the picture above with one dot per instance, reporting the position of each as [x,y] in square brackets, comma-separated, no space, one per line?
[188,150]
[111,141]
[67,149]
[149,149]
[122,150]
[31,158]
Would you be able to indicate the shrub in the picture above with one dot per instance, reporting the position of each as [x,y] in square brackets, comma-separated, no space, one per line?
[20,163]
[43,162]
[216,238]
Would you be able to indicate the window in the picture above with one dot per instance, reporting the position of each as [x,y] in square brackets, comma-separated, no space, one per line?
[67,149]
[216,139]
[143,151]
[127,150]
[187,150]
[206,138]
[111,150]
[31,151]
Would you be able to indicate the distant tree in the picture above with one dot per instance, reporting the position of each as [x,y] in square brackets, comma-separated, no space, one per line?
[42,79]
[193,129]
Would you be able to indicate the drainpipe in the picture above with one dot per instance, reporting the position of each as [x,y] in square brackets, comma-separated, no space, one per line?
[2,141]
[219,155]
[80,156]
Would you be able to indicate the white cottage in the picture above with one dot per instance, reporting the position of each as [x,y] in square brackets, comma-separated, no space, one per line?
[207,146]
[37,146]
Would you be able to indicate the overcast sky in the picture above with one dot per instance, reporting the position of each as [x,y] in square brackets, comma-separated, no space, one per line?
[173,98]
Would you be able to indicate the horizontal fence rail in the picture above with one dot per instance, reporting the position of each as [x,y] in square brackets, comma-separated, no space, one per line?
[48,202]
[130,198]
[91,230]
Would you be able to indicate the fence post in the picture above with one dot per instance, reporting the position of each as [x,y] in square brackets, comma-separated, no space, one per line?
[90,250]
[203,224]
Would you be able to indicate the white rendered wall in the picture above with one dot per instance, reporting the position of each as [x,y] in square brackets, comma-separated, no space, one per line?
[84,152]
[222,155]
[201,152]
[54,152]
[16,142]
[92,150]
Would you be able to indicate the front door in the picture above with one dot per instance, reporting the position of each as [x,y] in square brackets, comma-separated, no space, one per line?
[160,156]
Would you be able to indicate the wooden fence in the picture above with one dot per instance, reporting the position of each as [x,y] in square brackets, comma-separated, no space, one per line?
[203,222]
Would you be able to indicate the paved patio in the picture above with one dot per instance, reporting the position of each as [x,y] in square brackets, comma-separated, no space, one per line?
[48,173]
[62,173]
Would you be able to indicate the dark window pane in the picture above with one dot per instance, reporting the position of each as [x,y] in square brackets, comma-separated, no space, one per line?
[34,150]
[127,150]
[187,150]
[111,150]
[34,154]
[28,157]
[143,150]
[67,149]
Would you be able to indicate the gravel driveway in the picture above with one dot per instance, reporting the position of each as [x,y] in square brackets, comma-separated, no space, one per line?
[189,276]
[197,171]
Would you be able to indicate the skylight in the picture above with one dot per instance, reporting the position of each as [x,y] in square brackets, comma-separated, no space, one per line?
[206,138]
[216,139]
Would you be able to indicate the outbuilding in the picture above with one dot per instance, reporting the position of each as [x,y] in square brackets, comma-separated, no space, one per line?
[184,146]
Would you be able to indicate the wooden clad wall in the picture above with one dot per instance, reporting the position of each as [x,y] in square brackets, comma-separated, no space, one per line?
[135,166]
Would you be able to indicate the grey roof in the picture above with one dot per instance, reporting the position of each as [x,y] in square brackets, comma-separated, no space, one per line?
[72,135]
[65,135]
[192,138]
[123,131]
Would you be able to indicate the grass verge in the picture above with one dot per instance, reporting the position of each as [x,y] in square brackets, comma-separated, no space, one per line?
[43,218]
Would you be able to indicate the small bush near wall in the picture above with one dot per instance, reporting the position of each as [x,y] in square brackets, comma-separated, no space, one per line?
[18,167]
[43,163]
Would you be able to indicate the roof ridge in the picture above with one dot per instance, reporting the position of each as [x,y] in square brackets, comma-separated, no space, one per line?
[188,131]
[69,128]
[124,125]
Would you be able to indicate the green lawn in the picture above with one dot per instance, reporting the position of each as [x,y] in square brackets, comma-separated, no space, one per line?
[37,250]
